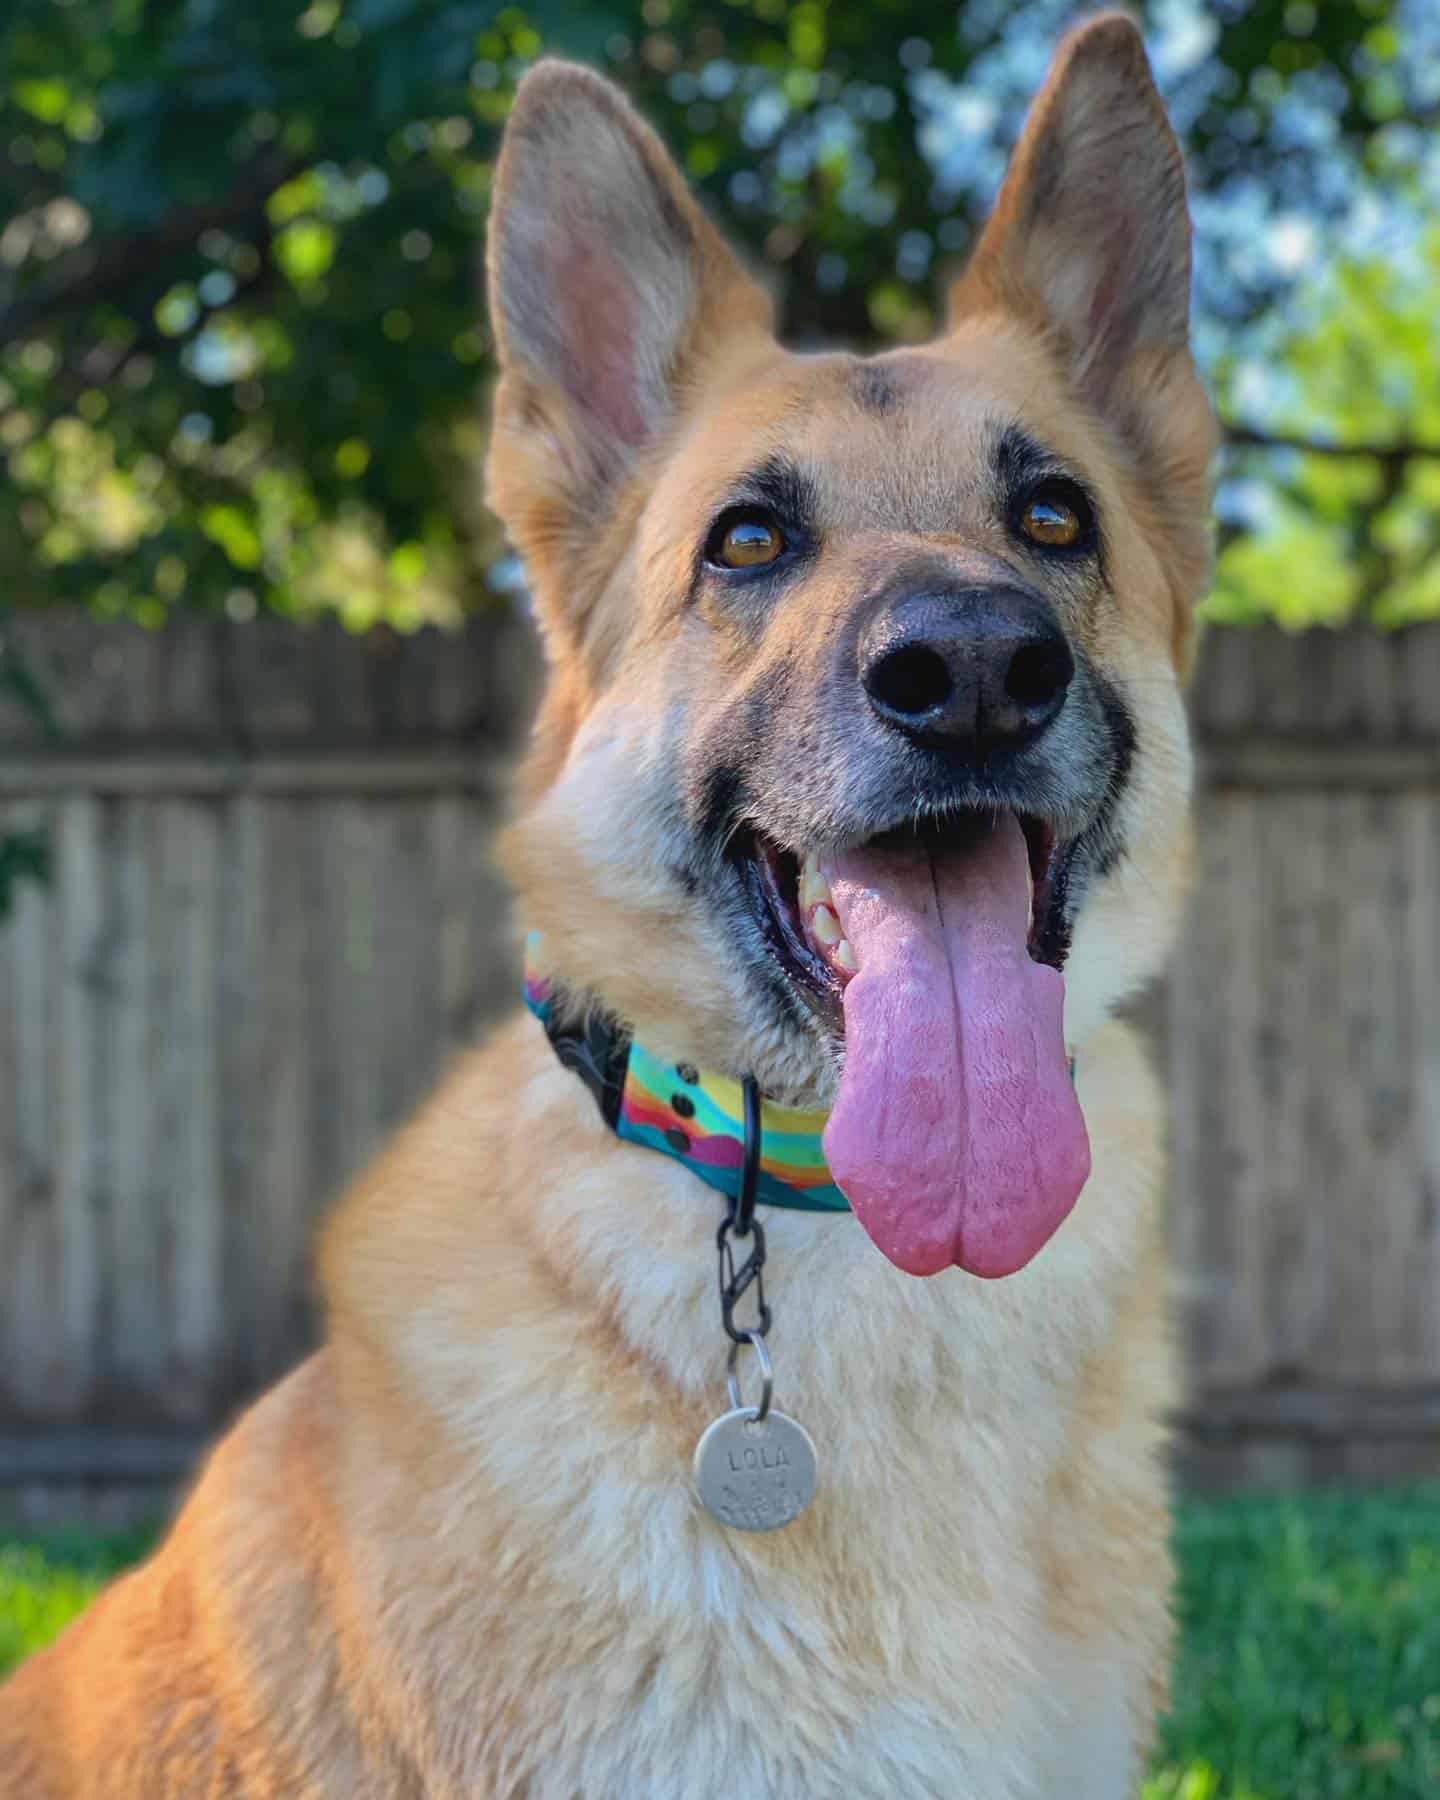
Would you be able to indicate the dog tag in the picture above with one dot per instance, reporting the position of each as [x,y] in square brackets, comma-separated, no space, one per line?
[754,1474]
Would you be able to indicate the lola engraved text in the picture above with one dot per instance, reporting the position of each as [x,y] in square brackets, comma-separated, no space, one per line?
[755,1475]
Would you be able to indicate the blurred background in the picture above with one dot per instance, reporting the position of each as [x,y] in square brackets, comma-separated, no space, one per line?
[264,659]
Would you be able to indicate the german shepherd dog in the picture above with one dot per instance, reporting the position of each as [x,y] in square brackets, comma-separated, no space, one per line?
[860,785]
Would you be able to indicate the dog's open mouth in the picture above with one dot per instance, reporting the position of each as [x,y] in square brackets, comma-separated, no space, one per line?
[795,909]
[934,954]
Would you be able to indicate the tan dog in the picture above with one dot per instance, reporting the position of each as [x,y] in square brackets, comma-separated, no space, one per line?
[855,665]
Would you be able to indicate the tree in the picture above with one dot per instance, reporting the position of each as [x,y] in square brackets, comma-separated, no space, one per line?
[240,342]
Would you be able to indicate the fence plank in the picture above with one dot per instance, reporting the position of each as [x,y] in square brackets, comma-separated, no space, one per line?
[29,1271]
[1290,1276]
[137,1309]
[1420,950]
[186,1151]
[285,1189]
[78,974]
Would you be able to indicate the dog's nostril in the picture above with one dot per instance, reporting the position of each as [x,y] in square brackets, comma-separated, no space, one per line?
[1039,672]
[974,671]
[911,680]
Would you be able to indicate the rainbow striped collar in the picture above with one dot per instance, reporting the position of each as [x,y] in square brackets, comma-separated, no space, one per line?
[687,1113]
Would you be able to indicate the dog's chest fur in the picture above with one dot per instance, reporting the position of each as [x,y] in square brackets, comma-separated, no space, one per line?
[957,1610]
[457,1553]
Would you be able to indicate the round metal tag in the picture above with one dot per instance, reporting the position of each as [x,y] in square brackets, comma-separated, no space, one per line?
[755,1474]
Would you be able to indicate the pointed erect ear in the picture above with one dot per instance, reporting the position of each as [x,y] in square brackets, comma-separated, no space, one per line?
[1090,233]
[608,287]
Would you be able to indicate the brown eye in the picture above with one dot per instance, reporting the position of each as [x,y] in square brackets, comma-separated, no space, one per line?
[1052,521]
[1057,515]
[745,540]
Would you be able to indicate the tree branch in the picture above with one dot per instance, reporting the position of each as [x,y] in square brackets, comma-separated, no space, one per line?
[1393,452]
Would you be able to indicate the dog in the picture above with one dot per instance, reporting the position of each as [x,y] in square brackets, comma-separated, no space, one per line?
[857,802]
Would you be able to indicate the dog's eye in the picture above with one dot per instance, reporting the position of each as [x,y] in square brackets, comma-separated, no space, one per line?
[1055,516]
[746,538]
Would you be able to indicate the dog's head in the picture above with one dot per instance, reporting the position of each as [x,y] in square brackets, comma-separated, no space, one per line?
[864,714]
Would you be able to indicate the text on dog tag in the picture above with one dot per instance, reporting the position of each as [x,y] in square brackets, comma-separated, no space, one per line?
[754,1474]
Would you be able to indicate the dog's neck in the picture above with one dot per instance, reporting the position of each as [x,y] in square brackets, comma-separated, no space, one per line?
[602,1238]
[694,1115]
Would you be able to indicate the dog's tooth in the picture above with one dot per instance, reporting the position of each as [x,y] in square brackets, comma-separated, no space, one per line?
[844,956]
[826,927]
[814,889]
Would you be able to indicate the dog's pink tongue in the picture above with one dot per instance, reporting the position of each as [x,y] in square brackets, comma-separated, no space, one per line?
[956,1137]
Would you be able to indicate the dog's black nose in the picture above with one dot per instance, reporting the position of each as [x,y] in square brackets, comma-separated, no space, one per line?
[977,671]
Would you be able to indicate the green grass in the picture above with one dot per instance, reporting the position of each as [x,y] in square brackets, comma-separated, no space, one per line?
[1310,1661]
[1309,1666]
[45,1582]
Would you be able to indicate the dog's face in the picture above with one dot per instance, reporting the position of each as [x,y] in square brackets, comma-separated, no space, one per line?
[864,717]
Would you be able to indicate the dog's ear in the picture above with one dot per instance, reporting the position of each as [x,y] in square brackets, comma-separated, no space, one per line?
[1090,235]
[1090,243]
[608,288]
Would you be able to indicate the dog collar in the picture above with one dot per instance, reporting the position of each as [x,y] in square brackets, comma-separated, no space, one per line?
[687,1113]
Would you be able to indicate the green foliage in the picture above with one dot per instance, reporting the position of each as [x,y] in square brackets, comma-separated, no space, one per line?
[237,351]
[1340,535]
[241,351]
[1309,1665]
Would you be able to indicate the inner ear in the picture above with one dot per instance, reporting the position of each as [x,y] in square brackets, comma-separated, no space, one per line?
[1090,234]
[603,271]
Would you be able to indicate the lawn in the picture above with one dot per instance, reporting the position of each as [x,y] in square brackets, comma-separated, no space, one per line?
[1309,1667]
[45,1582]
[1310,1659]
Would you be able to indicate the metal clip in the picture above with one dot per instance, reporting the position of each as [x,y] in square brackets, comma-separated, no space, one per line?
[741,1223]
[735,1281]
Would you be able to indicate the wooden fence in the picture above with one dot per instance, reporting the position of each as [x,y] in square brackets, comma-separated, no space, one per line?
[273,917]
[1303,1057]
